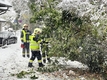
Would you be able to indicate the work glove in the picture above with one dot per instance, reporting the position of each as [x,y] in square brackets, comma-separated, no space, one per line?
[43,41]
[36,38]
[22,45]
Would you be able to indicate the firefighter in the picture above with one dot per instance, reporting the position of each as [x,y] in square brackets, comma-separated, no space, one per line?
[25,34]
[45,50]
[45,47]
[35,48]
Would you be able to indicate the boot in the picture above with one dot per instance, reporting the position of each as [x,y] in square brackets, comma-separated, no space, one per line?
[28,55]
[23,55]
[41,65]
[49,60]
[30,65]
[44,60]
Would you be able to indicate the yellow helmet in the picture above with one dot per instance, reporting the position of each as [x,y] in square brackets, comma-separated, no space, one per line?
[25,25]
[37,31]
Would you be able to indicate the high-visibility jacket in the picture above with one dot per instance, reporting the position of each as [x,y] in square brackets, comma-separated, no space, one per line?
[45,44]
[25,35]
[34,46]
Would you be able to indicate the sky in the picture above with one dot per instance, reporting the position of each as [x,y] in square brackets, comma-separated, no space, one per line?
[12,62]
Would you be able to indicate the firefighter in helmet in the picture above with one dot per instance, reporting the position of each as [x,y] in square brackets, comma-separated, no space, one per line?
[25,34]
[45,46]
[35,41]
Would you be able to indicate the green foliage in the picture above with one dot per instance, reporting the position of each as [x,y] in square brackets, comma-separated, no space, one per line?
[48,69]
[71,36]
[67,17]
[54,66]
[92,53]
[92,2]
[22,74]
[32,0]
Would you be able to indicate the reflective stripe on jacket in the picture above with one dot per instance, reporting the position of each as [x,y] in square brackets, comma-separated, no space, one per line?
[35,46]
[25,35]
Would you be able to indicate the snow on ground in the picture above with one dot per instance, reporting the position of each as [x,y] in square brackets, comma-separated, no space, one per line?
[11,62]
